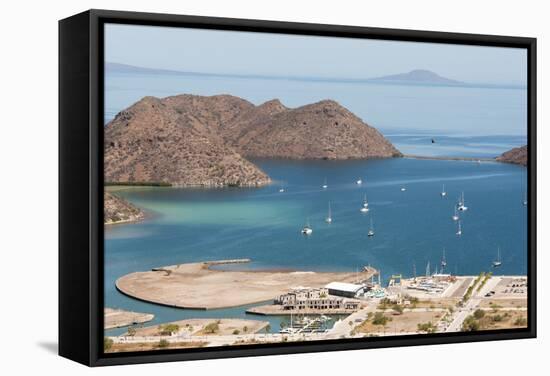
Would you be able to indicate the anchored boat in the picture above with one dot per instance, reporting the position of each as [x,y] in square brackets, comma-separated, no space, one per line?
[328,219]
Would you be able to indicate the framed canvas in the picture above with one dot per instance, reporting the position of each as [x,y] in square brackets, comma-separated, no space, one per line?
[234,187]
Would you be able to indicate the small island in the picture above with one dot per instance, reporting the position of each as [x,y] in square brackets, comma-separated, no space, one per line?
[190,140]
[515,155]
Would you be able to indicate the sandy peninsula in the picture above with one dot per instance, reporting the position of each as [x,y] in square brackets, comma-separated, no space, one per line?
[118,318]
[197,286]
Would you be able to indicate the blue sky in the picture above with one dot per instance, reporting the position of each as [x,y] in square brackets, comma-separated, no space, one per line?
[233,52]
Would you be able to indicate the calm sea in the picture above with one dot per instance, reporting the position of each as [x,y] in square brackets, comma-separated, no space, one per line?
[412,227]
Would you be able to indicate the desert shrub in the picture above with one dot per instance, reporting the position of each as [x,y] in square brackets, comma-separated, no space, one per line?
[168,329]
[427,327]
[470,324]
[479,314]
[212,328]
[397,309]
[163,343]
[497,318]
[380,319]
[107,343]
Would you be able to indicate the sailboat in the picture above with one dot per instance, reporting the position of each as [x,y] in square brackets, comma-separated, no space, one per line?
[443,193]
[307,230]
[461,203]
[325,186]
[525,199]
[281,190]
[455,215]
[328,219]
[403,189]
[365,207]
[371,229]
[443,261]
[359,181]
[498,261]
[459,231]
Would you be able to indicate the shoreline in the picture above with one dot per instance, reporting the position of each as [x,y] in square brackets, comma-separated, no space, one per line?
[196,286]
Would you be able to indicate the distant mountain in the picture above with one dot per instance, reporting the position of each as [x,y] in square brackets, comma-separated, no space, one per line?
[515,155]
[418,76]
[189,140]
[125,68]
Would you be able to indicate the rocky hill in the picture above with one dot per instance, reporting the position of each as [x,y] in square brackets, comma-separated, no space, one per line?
[174,140]
[117,210]
[516,155]
[189,140]
[322,130]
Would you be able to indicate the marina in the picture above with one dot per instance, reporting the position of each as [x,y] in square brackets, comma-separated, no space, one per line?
[196,224]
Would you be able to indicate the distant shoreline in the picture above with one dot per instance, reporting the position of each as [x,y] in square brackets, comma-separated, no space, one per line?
[444,158]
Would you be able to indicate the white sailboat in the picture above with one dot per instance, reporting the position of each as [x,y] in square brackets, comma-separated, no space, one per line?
[459,231]
[307,230]
[365,207]
[462,204]
[455,215]
[371,229]
[325,186]
[359,181]
[281,190]
[328,219]
[498,261]
[443,192]
[403,189]
[525,199]
[443,261]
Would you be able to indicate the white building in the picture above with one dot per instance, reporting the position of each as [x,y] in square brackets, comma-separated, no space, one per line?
[348,290]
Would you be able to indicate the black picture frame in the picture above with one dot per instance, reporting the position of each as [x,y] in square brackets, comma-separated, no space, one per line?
[81,185]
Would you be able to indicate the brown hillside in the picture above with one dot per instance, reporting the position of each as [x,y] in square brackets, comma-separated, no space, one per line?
[174,140]
[515,155]
[322,130]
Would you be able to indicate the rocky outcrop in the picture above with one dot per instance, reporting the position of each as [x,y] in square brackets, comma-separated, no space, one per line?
[322,130]
[118,210]
[175,141]
[189,140]
[516,155]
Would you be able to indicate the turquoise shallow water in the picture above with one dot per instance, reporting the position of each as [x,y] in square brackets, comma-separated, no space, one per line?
[412,227]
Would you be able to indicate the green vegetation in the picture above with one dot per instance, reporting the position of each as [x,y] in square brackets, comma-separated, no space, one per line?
[495,307]
[168,329]
[427,327]
[398,309]
[236,332]
[385,303]
[380,319]
[485,279]
[267,328]
[107,343]
[138,183]
[470,324]
[470,290]
[245,329]
[212,328]
[131,331]
[163,343]
[520,321]
[497,318]
[479,314]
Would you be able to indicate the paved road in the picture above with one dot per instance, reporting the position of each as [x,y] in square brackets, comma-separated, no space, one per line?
[342,327]
[472,304]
